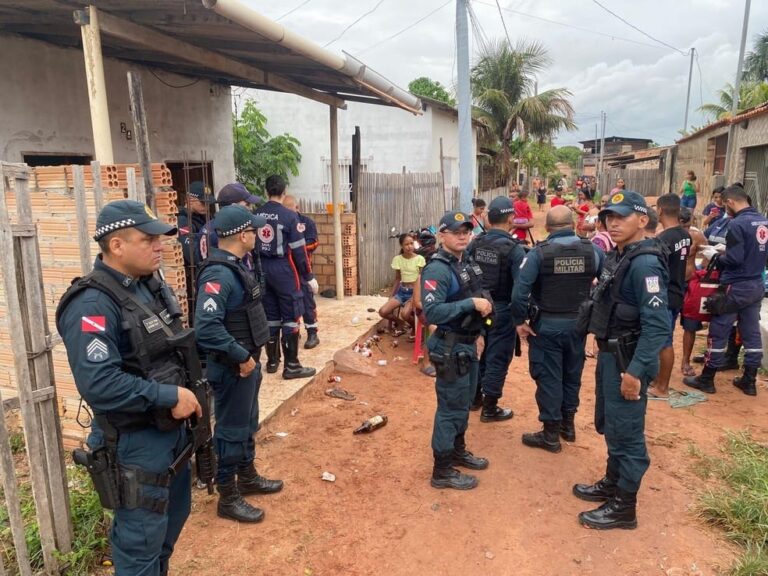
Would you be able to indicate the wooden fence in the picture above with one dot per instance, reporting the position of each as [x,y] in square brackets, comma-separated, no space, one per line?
[646,181]
[401,201]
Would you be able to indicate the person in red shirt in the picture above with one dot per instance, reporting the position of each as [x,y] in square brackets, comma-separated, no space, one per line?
[557,199]
[523,216]
[582,209]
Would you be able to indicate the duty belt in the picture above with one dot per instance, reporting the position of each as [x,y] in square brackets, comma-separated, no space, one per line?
[457,337]
[565,315]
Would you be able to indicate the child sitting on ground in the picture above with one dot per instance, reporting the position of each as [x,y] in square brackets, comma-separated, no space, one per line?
[407,265]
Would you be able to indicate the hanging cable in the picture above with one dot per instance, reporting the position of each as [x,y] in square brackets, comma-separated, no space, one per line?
[639,30]
[192,83]
[292,10]
[396,34]
[503,23]
[371,11]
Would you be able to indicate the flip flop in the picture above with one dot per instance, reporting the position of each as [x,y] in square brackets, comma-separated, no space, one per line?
[688,371]
[653,395]
[339,393]
[429,371]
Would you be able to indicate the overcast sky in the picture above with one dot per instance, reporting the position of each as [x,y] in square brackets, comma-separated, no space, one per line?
[604,62]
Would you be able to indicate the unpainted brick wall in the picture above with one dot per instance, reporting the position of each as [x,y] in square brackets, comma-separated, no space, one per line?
[323,259]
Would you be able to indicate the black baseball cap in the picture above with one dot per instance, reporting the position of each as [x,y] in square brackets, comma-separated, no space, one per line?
[130,214]
[234,193]
[625,203]
[453,221]
[199,191]
[501,205]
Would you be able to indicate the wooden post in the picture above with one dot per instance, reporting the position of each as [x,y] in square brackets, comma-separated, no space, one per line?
[97,87]
[81,210]
[141,135]
[355,168]
[130,177]
[442,172]
[98,189]
[336,200]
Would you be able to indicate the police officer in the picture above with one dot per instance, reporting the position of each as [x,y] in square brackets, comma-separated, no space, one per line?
[742,264]
[499,256]
[553,281]
[308,227]
[630,321]
[282,248]
[233,193]
[115,324]
[192,218]
[451,286]
[232,327]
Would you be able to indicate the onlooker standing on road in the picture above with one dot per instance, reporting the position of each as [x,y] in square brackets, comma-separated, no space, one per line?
[556,276]
[742,264]
[478,216]
[678,243]
[690,325]
[689,190]
[523,219]
[715,210]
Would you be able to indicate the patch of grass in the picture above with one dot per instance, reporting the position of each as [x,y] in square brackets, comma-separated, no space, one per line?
[16,440]
[90,523]
[739,503]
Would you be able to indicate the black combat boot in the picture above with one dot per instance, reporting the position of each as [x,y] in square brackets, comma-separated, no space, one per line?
[273,354]
[603,489]
[312,339]
[747,382]
[232,506]
[704,382]
[568,427]
[249,482]
[618,512]
[444,475]
[548,438]
[492,413]
[292,368]
[731,353]
[463,457]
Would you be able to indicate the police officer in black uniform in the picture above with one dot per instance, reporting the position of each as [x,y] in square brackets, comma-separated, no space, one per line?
[451,289]
[741,262]
[554,279]
[117,323]
[630,321]
[499,255]
[232,327]
[192,218]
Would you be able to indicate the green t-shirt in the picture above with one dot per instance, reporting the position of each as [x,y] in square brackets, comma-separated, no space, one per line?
[409,267]
[688,188]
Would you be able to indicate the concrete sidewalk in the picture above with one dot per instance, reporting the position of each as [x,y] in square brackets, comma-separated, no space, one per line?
[336,331]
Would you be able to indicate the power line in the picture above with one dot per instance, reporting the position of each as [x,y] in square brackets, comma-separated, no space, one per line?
[396,34]
[565,25]
[292,10]
[503,23]
[187,85]
[371,11]
[639,30]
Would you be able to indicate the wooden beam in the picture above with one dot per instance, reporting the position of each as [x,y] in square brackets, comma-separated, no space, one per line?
[143,36]
[141,135]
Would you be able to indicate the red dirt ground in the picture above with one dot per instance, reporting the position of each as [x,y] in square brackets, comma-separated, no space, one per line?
[382,517]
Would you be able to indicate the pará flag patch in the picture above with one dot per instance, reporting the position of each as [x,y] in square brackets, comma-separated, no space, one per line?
[430,285]
[212,288]
[93,323]
[184,230]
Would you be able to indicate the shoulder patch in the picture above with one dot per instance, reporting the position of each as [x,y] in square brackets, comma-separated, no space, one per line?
[96,351]
[93,324]
[652,284]
[762,234]
[300,227]
[430,285]
[655,302]
[210,305]
[212,288]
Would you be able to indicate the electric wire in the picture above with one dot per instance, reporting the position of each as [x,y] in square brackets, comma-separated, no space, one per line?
[192,83]
[639,30]
[292,10]
[503,23]
[396,34]
[371,11]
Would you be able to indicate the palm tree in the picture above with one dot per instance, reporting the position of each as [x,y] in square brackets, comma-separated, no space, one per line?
[756,62]
[503,81]
[751,94]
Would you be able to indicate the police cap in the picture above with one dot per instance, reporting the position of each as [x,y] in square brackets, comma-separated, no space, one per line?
[625,203]
[501,205]
[234,193]
[453,221]
[234,218]
[199,191]
[130,214]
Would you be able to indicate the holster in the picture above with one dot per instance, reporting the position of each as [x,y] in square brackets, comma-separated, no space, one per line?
[534,313]
[452,365]
[583,317]
[623,348]
[101,465]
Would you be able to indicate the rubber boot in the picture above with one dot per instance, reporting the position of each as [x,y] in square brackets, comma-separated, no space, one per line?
[312,339]
[492,413]
[618,512]
[731,353]
[444,475]
[292,368]
[568,426]
[747,382]
[273,354]
[249,482]
[232,506]
[463,457]
[548,438]
[602,490]
[704,382]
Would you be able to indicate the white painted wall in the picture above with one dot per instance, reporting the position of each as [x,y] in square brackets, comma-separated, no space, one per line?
[390,137]
[45,108]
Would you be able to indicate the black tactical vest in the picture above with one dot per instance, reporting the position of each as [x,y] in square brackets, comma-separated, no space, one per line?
[492,254]
[565,276]
[247,323]
[611,315]
[469,276]
[146,328]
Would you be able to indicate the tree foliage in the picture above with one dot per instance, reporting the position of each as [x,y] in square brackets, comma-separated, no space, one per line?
[570,155]
[429,88]
[751,94]
[258,154]
[541,156]
[756,61]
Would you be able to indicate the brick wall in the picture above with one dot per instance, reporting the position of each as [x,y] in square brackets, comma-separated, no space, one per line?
[324,259]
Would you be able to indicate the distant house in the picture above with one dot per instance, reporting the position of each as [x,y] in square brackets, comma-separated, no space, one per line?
[704,152]
[614,146]
[392,140]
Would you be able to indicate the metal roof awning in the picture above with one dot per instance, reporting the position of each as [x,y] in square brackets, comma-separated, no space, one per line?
[221,40]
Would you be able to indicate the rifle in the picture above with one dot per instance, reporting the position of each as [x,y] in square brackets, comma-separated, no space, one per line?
[199,430]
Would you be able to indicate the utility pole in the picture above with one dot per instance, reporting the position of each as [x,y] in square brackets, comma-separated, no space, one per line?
[688,97]
[466,156]
[603,116]
[736,87]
